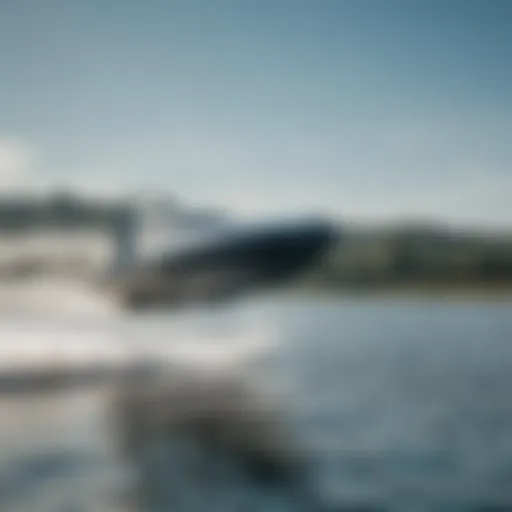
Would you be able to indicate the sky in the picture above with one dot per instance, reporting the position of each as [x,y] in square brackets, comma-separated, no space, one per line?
[366,109]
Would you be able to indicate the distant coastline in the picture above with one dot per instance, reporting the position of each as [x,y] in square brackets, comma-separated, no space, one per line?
[418,257]
[427,290]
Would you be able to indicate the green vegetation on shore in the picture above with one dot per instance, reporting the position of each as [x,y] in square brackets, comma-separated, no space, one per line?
[418,258]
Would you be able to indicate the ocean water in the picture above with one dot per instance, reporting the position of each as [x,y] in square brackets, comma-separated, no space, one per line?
[403,404]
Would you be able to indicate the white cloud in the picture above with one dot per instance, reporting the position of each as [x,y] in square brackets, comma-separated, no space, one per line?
[15,160]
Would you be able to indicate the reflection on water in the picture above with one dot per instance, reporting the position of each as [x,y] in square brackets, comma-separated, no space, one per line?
[402,405]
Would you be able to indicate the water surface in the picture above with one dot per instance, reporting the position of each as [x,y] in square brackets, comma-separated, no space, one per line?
[404,403]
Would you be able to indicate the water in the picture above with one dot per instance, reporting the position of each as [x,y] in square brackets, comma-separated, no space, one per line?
[403,404]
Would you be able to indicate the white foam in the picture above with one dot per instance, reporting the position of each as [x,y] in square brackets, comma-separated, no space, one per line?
[53,295]
[64,323]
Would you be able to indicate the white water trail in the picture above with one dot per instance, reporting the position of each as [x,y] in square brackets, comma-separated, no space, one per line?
[50,322]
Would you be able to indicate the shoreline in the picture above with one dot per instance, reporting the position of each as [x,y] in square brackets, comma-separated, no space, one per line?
[424,290]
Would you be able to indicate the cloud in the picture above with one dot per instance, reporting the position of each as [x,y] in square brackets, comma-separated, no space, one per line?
[15,160]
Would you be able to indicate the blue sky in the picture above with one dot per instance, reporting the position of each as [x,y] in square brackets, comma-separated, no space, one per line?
[367,109]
